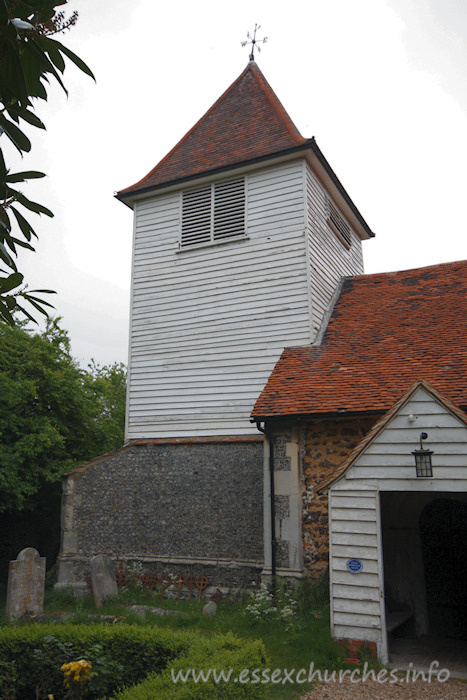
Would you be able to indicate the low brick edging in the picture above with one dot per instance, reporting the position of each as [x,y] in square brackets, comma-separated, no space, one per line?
[354,646]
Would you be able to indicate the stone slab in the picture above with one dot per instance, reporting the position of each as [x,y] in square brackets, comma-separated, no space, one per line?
[103,578]
[26,583]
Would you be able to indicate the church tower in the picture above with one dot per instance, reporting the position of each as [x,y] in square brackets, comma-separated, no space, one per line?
[241,235]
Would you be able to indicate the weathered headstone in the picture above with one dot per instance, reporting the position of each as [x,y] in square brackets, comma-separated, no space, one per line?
[210,609]
[26,582]
[103,578]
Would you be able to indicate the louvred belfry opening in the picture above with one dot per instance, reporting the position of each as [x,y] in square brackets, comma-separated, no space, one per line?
[196,217]
[229,209]
[213,213]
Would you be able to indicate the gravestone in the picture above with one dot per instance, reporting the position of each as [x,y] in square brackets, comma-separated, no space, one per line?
[26,581]
[103,578]
[210,609]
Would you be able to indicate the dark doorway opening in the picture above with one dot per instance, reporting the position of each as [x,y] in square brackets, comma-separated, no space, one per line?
[443,533]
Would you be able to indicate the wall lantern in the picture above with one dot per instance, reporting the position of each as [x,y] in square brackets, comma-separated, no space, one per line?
[423,464]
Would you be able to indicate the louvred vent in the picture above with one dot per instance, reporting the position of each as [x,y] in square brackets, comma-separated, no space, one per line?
[338,222]
[196,217]
[229,209]
[213,213]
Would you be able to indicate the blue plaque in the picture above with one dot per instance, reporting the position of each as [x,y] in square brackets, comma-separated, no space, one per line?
[354,566]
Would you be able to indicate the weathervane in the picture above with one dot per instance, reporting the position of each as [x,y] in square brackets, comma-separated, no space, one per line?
[254,41]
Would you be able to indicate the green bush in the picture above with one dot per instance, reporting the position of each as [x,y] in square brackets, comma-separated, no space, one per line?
[124,654]
[237,658]
[7,679]
[31,657]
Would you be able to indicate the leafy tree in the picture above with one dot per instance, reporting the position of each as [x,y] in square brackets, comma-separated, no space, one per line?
[53,414]
[105,390]
[29,56]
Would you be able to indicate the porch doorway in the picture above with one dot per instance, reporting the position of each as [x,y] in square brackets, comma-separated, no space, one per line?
[443,533]
[424,537]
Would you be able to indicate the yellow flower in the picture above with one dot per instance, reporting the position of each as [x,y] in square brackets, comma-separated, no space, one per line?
[76,672]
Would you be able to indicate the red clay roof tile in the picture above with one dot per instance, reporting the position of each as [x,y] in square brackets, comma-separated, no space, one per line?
[386,331]
[247,122]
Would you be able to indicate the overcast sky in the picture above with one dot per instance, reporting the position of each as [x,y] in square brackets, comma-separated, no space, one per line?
[381,84]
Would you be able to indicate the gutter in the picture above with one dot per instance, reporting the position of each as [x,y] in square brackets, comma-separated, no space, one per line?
[130,193]
[122,195]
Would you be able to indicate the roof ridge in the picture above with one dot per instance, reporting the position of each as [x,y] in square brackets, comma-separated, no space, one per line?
[393,273]
[275,102]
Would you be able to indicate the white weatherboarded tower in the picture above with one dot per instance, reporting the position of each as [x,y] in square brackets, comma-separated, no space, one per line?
[241,234]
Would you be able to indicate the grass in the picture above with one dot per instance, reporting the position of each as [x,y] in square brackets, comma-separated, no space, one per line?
[307,641]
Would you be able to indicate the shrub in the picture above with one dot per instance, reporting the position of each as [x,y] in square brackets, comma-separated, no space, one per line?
[7,679]
[224,653]
[124,655]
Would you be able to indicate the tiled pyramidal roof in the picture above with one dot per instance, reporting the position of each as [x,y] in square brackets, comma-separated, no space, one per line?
[246,123]
[386,332]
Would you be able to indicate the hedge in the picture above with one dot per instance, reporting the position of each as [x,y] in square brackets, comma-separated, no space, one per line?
[121,656]
[243,660]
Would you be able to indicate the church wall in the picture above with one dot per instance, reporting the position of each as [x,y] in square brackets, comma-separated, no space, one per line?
[210,322]
[193,507]
[329,258]
[325,445]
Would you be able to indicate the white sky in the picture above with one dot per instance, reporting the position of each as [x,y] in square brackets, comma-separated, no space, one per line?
[381,84]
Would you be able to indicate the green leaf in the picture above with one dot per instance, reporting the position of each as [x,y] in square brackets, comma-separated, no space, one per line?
[24,225]
[39,301]
[10,242]
[31,118]
[42,291]
[10,302]
[3,168]
[33,206]
[46,65]
[26,175]
[13,78]
[26,313]
[6,223]
[38,306]
[23,244]
[33,75]
[56,57]
[73,57]
[6,257]
[15,135]
[4,312]
[10,282]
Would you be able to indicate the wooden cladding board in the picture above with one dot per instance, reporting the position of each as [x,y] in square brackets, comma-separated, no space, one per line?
[210,322]
[388,459]
[329,258]
[356,597]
